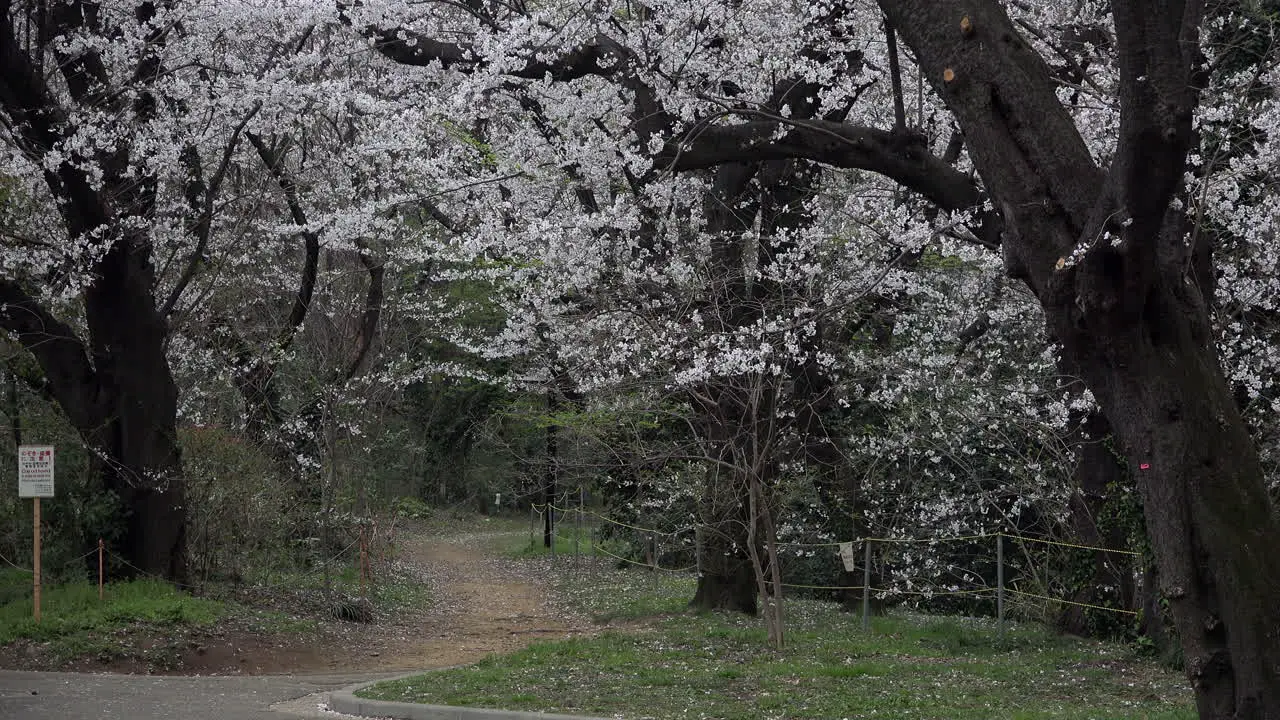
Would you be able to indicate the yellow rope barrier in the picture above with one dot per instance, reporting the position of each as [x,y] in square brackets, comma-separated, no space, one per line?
[954,538]
[637,528]
[1070,545]
[1071,602]
[645,565]
[821,587]
[931,593]
[892,591]
[923,593]
[929,540]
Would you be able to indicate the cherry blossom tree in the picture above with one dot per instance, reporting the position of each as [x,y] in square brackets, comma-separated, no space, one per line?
[187,173]
[1104,247]
[1096,232]
[721,198]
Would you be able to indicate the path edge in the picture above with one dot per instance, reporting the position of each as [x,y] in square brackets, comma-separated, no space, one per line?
[345,701]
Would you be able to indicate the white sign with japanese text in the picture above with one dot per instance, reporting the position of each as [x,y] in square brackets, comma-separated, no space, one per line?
[35,471]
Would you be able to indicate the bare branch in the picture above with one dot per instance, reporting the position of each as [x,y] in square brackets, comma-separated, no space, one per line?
[310,266]
[203,204]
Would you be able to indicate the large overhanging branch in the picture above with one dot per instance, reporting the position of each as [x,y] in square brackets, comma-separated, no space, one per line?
[1030,153]
[898,156]
[901,156]
[84,71]
[61,353]
[39,125]
[601,56]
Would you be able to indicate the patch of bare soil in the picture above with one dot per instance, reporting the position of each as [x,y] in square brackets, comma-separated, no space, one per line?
[481,603]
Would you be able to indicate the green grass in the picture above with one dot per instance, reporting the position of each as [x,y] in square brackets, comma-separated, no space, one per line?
[605,594]
[519,545]
[75,622]
[682,665]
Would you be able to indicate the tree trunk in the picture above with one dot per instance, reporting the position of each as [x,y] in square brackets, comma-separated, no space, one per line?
[550,474]
[1097,473]
[839,489]
[137,440]
[1105,252]
[1155,624]
[727,581]
[1209,519]
[114,385]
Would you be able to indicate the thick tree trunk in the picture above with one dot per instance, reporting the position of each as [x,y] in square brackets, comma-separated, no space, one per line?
[1211,524]
[1105,252]
[137,439]
[114,386]
[1155,624]
[838,487]
[727,581]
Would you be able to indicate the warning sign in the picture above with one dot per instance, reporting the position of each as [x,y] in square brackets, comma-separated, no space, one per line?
[35,471]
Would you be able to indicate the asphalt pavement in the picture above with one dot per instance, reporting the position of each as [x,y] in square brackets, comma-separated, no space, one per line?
[77,696]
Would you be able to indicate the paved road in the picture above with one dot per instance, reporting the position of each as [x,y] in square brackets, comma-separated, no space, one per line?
[74,696]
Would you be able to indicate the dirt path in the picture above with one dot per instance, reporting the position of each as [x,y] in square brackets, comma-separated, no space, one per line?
[481,603]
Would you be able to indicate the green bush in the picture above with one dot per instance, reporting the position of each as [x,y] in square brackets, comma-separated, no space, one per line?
[242,517]
[410,507]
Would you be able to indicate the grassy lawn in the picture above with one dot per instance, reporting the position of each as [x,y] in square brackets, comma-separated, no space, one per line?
[677,665]
[76,623]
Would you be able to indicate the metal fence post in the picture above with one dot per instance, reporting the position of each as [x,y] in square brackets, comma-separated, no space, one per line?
[1000,585]
[577,529]
[866,583]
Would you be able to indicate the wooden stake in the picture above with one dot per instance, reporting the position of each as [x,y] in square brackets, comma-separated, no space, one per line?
[100,549]
[35,542]
[363,557]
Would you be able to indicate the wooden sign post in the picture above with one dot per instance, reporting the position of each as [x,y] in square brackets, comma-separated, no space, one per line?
[35,480]
[35,559]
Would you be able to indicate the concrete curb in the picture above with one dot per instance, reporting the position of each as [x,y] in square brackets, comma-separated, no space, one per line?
[345,701]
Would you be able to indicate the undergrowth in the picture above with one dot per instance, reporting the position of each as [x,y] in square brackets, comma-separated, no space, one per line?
[75,622]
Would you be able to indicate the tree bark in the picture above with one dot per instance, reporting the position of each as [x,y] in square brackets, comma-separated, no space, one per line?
[114,385]
[1211,524]
[727,581]
[838,487]
[550,472]
[137,439]
[1104,253]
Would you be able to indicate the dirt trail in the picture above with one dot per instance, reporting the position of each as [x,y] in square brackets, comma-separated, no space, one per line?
[481,603]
